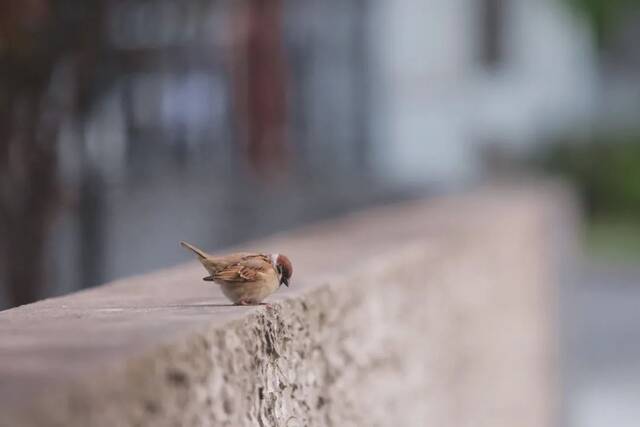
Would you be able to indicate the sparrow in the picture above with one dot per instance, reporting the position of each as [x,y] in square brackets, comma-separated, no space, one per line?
[245,278]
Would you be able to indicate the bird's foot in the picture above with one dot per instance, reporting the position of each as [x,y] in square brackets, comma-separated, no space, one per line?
[243,302]
[267,305]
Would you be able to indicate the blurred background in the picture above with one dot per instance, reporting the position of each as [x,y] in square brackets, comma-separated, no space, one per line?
[128,125]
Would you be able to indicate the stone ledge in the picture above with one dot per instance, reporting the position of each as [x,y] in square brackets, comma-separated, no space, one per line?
[435,312]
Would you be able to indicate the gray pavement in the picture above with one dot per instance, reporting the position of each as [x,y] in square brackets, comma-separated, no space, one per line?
[600,315]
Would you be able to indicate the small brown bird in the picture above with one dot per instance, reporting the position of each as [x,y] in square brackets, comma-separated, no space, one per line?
[245,278]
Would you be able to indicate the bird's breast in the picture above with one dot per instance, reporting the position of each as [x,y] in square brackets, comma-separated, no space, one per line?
[253,292]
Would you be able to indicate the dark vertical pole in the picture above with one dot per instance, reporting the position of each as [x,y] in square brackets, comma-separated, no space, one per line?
[492,15]
[91,226]
[361,81]
[260,95]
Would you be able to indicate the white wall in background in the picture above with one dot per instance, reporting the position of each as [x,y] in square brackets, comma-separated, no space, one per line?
[423,52]
[547,82]
[437,103]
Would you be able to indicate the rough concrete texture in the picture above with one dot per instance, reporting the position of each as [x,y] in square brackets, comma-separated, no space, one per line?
[430,313]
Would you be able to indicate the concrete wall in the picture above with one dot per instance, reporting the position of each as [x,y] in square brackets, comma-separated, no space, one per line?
[435,312]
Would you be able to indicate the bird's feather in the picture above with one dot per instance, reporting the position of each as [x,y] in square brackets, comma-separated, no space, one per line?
[248,269]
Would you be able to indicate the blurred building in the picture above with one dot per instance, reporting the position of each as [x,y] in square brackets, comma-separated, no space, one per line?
[167,147]
[339,103]
[460,76]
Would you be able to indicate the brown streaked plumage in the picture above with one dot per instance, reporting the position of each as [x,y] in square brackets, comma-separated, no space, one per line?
[245,278]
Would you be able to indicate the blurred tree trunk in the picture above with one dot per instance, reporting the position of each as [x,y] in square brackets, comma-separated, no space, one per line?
[28,190]
[35,36]
[28,186]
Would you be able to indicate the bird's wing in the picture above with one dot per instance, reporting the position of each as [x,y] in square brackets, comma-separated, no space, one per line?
[248,269]
[217,263]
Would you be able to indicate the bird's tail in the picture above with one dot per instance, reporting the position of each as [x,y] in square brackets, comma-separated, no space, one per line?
[202,254]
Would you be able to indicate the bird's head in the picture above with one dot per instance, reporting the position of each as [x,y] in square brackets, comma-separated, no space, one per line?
[284,268]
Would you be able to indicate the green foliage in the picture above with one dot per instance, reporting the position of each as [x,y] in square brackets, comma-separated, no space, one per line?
[614,239]
[603,15]
[606,171]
